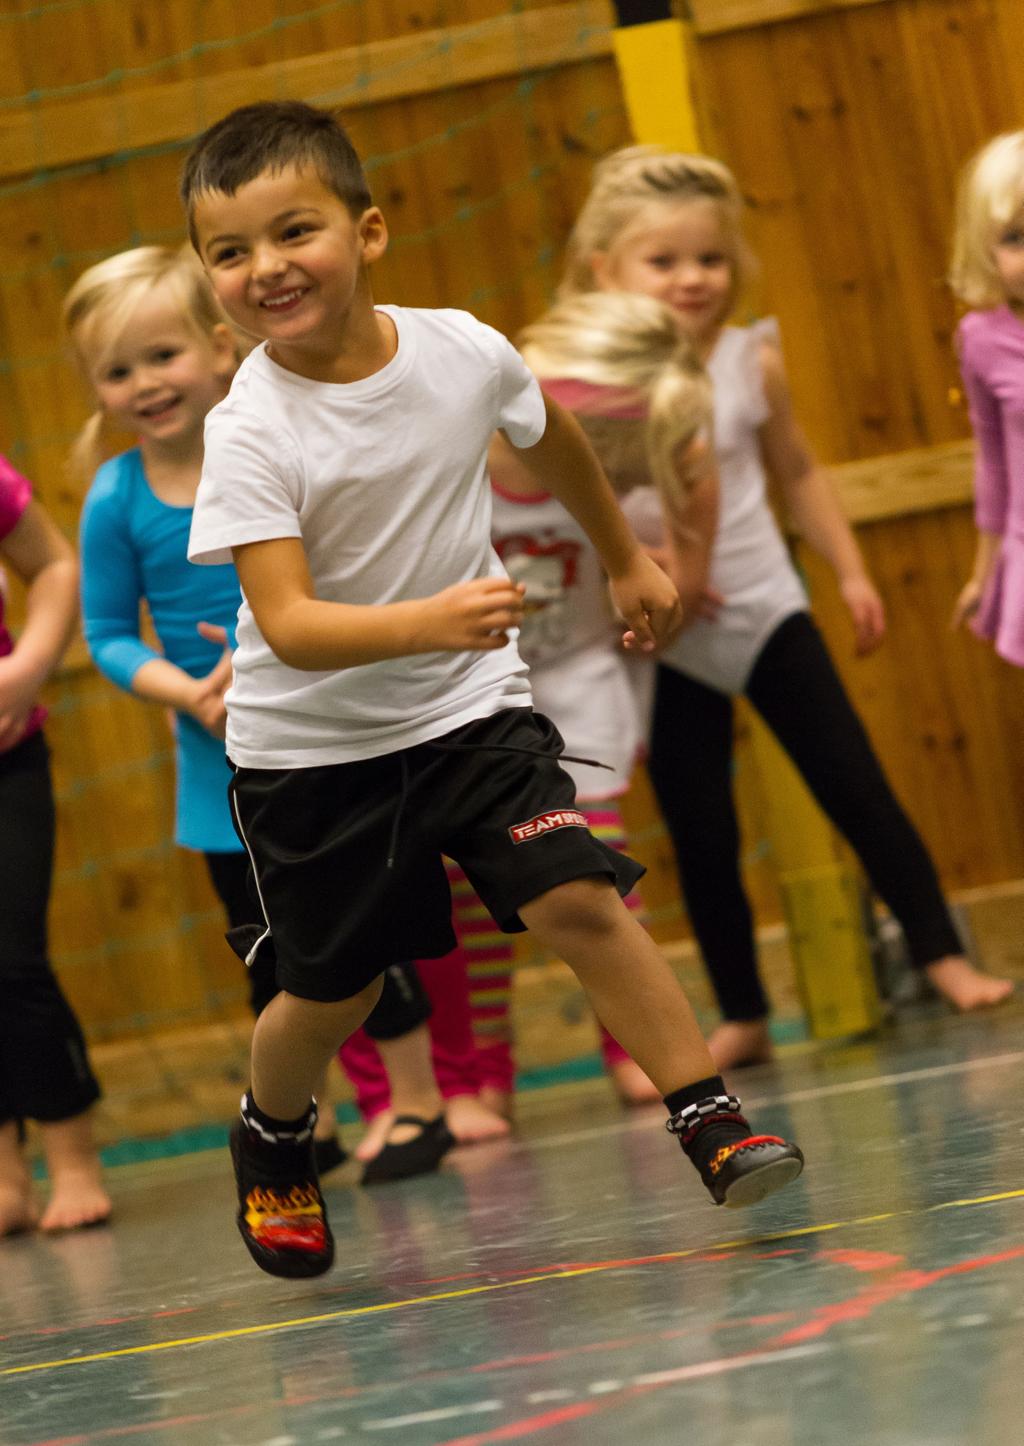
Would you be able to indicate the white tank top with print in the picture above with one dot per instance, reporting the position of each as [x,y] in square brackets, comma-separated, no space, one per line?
[580,676]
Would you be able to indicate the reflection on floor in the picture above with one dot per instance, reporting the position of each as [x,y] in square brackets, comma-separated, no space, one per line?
[574,1285]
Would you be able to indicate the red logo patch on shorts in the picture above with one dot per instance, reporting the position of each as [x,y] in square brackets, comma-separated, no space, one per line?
[546,822]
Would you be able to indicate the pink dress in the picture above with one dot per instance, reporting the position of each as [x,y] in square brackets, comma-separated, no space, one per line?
[992,362]
[15,495]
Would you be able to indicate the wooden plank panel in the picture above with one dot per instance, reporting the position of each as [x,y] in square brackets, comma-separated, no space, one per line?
[354,77]
[715,17]
[743,101]
[925,479]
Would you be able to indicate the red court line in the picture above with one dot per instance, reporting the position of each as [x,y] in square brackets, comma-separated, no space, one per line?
[871,1297]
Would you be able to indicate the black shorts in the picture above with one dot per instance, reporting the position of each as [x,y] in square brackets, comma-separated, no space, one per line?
[347,857]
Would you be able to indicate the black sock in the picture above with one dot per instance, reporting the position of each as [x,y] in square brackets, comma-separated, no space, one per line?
[278,1132]
[712,1118]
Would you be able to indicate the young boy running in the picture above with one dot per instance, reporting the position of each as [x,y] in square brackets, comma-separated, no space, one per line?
[380,714]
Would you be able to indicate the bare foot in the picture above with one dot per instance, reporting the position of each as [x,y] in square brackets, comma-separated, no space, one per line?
[739,1042]
[965,987]
[499,1102]
[376,1137]
[18,1209]
[77,1196]
[471,1122]
[78,1200]
[631,1084]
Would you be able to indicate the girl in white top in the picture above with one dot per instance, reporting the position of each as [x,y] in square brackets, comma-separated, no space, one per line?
[667,226]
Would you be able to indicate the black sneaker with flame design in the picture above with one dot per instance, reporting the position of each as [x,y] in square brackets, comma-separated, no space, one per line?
[281,1212]
[737,1167]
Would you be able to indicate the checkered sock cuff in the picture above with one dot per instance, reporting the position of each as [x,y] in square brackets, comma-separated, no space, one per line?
[690,1119]
[277,1132]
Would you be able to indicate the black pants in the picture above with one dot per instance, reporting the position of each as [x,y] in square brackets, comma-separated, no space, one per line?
[797,691]
[44,1068]
[403,1004]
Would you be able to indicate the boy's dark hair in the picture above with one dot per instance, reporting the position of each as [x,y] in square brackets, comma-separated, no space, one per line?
[268,136]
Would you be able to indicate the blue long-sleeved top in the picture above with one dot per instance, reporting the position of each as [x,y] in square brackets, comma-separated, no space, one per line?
[134,548]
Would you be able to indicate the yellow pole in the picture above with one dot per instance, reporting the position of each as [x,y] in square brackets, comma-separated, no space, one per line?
[819,891]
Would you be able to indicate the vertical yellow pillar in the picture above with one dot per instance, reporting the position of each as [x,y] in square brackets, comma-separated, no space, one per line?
[819,891]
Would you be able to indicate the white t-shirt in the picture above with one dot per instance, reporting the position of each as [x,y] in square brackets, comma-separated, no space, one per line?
[579,673]
[384,481]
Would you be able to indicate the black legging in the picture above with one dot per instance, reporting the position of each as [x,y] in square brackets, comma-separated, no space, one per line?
[44,1068]
[797,691]
[403,1004]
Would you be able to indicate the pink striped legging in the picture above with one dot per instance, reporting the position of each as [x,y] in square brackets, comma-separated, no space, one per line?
[469,989]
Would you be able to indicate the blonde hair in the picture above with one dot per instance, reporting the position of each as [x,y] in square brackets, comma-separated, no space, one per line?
[656,400]
[99,308]
[990,195]
[634,177]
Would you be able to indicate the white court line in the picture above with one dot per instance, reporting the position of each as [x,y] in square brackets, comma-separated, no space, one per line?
[699,1371]
[820,1092]
[735,1363]
[443,1413]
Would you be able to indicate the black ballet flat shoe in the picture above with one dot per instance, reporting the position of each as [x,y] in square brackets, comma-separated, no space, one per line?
[745,1172]
[418,1156]
[328,1154]
[281,1214]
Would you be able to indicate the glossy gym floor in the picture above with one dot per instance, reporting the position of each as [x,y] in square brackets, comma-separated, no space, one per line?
[575,1286]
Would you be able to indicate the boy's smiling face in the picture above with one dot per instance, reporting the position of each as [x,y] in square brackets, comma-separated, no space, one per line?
[288,261]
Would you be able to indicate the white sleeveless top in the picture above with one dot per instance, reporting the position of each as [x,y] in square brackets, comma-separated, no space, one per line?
[750,563]
[579,674]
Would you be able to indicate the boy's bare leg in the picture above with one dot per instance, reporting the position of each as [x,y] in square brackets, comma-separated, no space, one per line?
[638,999]
[17,1202]
[281,1213]
[77,1196]
[627,980]
[293,1043]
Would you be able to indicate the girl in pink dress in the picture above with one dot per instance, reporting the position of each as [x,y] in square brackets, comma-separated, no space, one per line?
[988,275]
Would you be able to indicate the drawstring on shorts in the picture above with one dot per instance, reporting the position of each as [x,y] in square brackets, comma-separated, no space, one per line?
[469,748]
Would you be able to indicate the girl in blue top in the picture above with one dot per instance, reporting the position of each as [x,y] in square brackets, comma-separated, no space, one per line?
[158,356]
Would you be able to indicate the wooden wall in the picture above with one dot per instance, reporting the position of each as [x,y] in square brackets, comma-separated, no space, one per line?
[480,119]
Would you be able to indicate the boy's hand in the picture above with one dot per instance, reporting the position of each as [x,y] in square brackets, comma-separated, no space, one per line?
[697,598]
[474,615]
[648,602]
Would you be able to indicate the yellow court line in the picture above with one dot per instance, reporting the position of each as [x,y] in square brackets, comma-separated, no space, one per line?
[363,1310]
